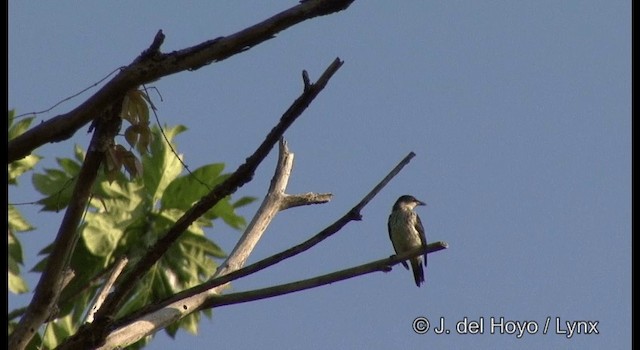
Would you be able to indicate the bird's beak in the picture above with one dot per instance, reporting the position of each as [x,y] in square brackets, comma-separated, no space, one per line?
[421,203]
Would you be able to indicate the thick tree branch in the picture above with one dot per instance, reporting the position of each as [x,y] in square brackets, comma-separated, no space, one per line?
[48,289]
[378,265]
[241,176]
[152,65]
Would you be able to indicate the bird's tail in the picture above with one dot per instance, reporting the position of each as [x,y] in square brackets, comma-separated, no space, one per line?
[418,272]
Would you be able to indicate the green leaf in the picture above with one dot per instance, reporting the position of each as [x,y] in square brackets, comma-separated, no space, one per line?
[18,128]
[57,331]
[70,166]
[21,166]
[78,153]
[195,245]
[17,222]
[119,207]
[225,211]
[186,190]
[125,218]
[11,115]
[161,166]
[190,323]
[17,284]
[244,201]
[101,235]
[57,186]
[15,249]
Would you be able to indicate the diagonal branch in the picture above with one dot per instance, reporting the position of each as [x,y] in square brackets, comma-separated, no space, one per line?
[106,288]
[351,215]
[241,176]
[274,201]
[146,323]
[152,65]
[282,289]
[48,289]
[177,303]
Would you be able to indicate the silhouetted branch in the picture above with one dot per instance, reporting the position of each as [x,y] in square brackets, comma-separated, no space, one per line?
[90,336]
[49,286]
[152,65]
[182,303]
[146,323]
[378,265]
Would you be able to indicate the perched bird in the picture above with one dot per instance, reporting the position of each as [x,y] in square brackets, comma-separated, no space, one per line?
[406,233]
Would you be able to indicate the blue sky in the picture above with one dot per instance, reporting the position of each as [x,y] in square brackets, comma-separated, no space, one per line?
[519,113]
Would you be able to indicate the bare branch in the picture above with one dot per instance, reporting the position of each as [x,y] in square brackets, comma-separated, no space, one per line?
[86,337]
[149,323]
[378,265]
[305,79]
[102,294]
[152,65]
[296,200]
[351,215]
[67,276]
[272,204]
[68,295]
[48,288]
[184,301]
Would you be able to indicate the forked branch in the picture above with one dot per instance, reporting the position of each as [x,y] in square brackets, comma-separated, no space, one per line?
[90,336]
[177,303]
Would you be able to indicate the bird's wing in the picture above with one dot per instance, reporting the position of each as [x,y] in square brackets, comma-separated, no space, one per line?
[404,263]
[389,229]
[423,237]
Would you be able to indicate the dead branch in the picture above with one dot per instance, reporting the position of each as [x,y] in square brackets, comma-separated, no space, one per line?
[106,288]
[90,336]
[183,302]
[152,65]
[383,265]
[48,288]
[276,200]
[273,202]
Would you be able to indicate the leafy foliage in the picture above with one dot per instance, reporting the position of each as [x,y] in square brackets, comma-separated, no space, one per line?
[16,222]
[125,217]
[135,110]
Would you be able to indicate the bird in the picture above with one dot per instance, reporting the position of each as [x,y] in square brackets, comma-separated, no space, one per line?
[407,233]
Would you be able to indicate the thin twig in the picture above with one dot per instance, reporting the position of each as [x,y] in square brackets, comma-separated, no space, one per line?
[104,290]
[70,97]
